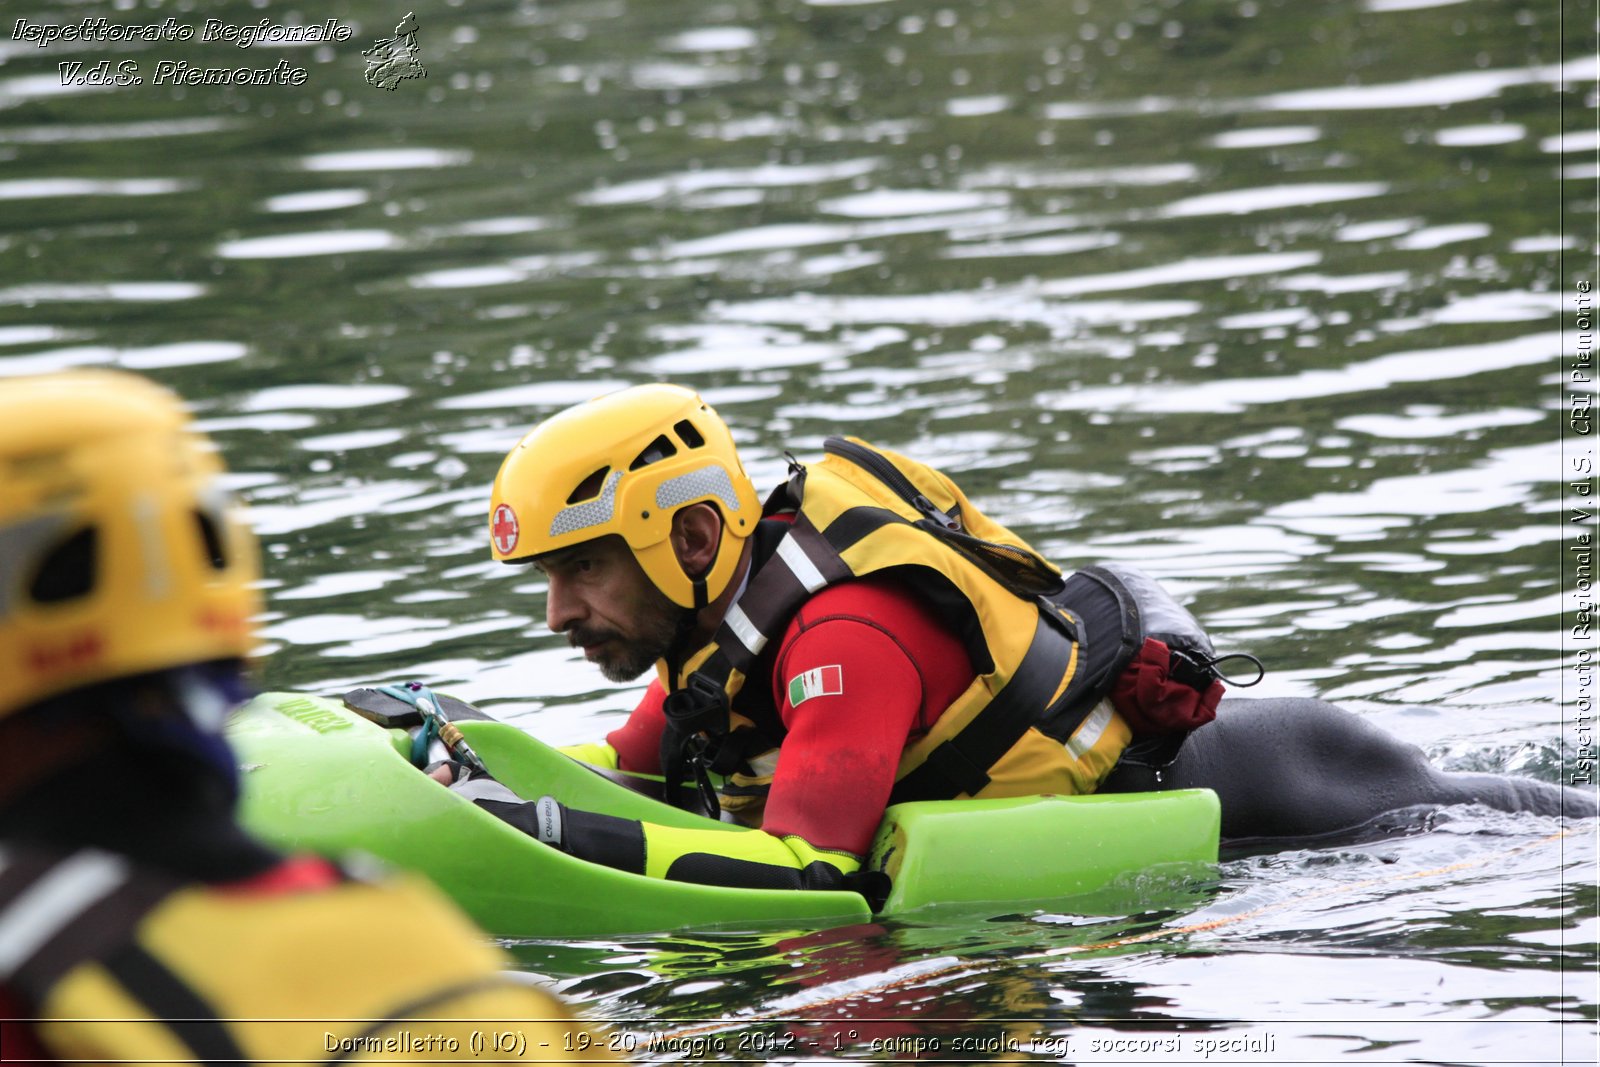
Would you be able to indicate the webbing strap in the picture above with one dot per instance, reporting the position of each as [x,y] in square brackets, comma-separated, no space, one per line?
[961,764]
[434,1003]
[186,1014]
[59,910]
[851,526]
[44,895]
[803,563]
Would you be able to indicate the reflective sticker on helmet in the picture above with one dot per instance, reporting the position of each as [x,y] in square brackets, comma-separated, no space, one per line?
[147,517]
[817,682]
[504,529]
[710,480]
[596,512]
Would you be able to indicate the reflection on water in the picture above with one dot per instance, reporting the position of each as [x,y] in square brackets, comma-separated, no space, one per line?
[1276,947]
[1261,296]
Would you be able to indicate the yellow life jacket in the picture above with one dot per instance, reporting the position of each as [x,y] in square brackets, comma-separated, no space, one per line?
[1034,720]
[123,964]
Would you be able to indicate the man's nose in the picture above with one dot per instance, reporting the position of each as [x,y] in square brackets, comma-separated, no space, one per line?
[562,609]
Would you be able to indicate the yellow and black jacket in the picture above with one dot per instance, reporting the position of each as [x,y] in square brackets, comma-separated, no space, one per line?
[117,962]
[1034,720]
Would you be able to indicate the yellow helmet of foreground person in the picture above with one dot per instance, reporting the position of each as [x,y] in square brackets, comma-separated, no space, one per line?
[119,553]
[623,464]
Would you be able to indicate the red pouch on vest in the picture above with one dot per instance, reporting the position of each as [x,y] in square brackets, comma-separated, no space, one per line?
[1159,692]
[1147,653]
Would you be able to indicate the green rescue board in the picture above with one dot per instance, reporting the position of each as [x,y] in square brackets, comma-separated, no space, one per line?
[319,777]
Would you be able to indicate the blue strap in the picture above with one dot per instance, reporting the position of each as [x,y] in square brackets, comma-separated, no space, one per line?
[434,721]
[423,741]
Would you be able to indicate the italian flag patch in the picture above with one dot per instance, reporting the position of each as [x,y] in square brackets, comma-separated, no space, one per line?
[817,682]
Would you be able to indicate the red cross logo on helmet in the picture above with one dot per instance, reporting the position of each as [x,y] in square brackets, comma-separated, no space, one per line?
[504,529]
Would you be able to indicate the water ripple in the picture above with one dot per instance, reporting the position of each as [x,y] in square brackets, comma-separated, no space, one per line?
[1011,305]
[1480,134]
[545,396]
[94,293]
[43,188]
[712,39]
[1419,423]
[1233,395]
[385,159]
[771,175]
[315,200]
[323,397]
[1204,269]
[1272,198]
[892,203]
[1501,481]
[120,131]
[1267,137]
[317,243]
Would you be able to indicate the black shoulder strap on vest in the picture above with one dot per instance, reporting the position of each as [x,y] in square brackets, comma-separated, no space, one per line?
[59,911]
[961,764]
[803,563]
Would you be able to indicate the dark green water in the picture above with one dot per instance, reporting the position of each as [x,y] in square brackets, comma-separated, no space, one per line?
[1276,300]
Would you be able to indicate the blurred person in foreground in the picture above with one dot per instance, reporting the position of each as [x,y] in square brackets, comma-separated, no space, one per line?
[868,636]
[138,922]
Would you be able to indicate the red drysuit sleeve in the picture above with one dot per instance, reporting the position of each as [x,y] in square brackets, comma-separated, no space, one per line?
[864,668]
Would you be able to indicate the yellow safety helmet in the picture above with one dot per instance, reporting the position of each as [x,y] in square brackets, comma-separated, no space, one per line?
[119,550]
[624,464]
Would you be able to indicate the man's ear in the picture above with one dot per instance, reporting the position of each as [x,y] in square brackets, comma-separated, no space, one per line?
[696,533]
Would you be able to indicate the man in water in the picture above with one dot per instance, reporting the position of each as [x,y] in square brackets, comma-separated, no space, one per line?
[892,643]
[138,922]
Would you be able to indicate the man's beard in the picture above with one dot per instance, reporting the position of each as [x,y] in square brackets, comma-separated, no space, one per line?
[656,629]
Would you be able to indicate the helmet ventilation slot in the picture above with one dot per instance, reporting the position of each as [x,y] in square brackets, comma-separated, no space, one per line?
[688,434]
[590,487]
[68,571]
[211,538]
[656,451]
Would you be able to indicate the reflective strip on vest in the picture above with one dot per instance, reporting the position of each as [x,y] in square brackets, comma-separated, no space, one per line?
[800,565]
[1088,735]
[55,901]
[739,623]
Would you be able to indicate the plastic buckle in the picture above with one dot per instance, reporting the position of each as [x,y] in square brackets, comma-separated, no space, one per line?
[701,706]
